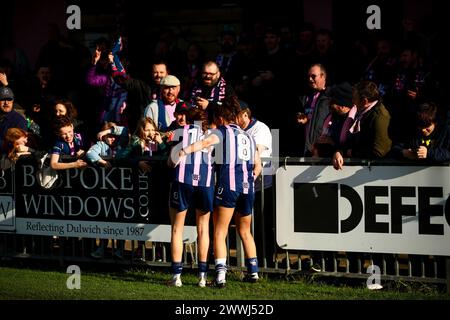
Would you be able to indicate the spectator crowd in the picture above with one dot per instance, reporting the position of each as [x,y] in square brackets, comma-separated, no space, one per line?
[381,98]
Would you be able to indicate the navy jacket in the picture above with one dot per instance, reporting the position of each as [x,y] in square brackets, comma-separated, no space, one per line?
[11,119]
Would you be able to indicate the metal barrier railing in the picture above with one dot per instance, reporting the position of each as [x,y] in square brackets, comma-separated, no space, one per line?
[273,259]
[429,269]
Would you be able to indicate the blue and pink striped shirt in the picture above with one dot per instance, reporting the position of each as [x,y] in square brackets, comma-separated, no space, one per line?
[61,147]
[235,159]
[195,169]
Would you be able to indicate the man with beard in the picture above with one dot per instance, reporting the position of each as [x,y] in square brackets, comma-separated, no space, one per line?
[159,71]
[161,111]
[212,91]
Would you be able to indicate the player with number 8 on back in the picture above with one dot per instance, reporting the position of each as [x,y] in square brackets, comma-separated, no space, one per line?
[237,166]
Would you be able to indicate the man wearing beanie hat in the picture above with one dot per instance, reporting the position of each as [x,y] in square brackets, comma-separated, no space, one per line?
[341,94]
[9,118]
[338,122]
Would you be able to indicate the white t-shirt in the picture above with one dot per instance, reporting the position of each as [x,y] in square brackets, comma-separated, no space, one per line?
[262,135]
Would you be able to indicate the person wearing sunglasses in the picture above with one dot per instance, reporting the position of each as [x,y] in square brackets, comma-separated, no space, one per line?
[314,107]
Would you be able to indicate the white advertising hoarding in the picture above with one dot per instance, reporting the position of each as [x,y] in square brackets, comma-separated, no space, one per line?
[383,209]
[116,203]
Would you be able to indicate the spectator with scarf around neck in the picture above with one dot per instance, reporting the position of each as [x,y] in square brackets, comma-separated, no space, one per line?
[161,111]
[338,122]
[368,136]
[212,91]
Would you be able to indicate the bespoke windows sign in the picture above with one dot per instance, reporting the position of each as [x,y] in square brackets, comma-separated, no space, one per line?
[95,202]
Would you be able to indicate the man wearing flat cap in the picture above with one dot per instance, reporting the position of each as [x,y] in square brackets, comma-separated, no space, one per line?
[9,118]
[162,110]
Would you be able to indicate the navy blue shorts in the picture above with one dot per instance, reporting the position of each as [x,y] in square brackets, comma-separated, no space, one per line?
[243,203]
[182,196]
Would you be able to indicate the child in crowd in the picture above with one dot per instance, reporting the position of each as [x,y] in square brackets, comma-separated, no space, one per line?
[180,113]
[146,141]
[67,143]
[14,146]
[59,108]
[432,141]
[110,141]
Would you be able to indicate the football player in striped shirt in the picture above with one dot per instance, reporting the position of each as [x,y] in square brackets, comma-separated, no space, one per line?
[192,186]
[237,166]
